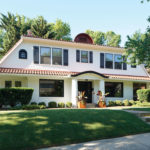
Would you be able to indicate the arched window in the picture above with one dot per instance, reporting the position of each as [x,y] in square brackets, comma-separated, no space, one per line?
[22,54]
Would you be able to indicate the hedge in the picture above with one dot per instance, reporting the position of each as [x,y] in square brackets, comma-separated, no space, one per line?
[143,95]
[12,96]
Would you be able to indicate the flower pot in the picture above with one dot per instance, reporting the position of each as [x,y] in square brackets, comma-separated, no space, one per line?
[102,104]
[81,105]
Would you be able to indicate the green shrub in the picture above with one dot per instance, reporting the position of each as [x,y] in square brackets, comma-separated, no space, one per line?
[30,107]
[33,103]
[132,102]
[61,105]
[111,103]
[143,95]
[68,104]
[142,104]
[52,105]
[118,103]
[126,102]
[42,103]
[12,96]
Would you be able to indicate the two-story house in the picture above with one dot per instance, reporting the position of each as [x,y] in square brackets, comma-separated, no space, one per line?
[57,70]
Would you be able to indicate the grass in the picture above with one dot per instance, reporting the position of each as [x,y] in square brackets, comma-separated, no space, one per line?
[42,128]
[140,109]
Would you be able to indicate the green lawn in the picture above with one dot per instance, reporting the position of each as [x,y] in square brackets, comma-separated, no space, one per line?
[140,109]
[42,128]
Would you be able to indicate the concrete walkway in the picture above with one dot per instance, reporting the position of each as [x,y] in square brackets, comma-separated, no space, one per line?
[133,142]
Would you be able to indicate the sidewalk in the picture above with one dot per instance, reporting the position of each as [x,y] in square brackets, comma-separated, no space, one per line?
[133,142]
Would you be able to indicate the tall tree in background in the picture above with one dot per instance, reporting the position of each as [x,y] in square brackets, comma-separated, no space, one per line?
[41,28]
[1,38]
[62,30]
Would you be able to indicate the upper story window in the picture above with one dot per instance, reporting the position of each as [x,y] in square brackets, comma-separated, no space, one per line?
[45,55]
[57,56]
[22,54]
[84,56]
[109,61]
[118,61]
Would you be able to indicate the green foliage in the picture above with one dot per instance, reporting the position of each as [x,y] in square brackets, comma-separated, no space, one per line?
[142,104]
[68,104]
[42,103]
[62,30]
[118,103]
[126,102]
[143,95]
[111,103]
[33,103]
[52,105]
[132,102]
[61,105]
[12,96]
[31,107]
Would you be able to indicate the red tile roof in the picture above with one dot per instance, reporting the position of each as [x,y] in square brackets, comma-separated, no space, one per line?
[66,73]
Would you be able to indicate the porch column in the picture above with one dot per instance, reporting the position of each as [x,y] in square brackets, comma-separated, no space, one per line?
[102,86]
[74,92]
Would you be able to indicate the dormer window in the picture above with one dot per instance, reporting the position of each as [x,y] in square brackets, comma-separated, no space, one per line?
[22,54]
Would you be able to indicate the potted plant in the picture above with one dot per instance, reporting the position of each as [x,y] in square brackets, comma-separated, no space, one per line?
[81,99]
[101,99]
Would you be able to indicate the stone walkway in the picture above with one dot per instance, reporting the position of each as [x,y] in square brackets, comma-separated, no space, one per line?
[132,142]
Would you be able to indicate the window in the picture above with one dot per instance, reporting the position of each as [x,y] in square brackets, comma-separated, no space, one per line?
[84,56]
[115,89]
[22,54]
[36,54]
[8,84]
[45,55]
[77,55]
[118,62]
[109,61]
[51,88]
[65,57]
[17,83]
[101,60]
[91,57]
[57,56]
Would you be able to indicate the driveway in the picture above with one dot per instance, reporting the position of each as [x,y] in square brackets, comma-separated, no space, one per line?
[132,142]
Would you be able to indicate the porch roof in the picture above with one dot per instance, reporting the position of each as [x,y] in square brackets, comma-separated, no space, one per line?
[69,73]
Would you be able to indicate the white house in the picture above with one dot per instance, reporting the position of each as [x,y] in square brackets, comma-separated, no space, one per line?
[57,70]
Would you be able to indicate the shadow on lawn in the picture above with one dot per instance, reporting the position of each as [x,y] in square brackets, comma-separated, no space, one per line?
[34,129]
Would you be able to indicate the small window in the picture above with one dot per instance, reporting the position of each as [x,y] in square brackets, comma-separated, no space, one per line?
[118,62]
[57,56]
[115,89]
[51,88]
[17,83]
[8,84]
[45,55]
[22,54]
[84,56]
[109,61]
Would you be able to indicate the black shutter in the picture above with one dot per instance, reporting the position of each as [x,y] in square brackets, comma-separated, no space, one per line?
[91,56]
[65,57]
[77,55]
[101,60]
[36,54]
[124,64]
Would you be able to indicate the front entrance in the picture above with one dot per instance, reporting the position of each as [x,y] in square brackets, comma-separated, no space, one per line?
[87,87]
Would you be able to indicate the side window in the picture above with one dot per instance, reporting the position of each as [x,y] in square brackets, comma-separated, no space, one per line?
[22,54]
[8,84]
[17,83]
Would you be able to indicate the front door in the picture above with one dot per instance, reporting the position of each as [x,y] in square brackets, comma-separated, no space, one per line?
[87,87]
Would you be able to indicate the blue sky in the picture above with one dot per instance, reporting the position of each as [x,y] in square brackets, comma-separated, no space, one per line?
[121,16]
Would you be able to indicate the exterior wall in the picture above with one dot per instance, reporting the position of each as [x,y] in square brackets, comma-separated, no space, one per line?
[73,65]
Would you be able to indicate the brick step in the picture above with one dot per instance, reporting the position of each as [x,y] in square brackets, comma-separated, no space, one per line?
[90,105]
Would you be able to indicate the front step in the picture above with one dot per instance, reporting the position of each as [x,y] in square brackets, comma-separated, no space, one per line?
[90,105]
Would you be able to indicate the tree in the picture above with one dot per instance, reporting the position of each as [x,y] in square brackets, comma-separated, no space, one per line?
[62,30]
[1,38]
[97,36]
[112,39]
[41,28]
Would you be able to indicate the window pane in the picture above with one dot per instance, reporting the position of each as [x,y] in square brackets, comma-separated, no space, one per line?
[45,55]
[84,56]
[109,61]
[17,83]
[115,89]
[57,56]
[51,88]
[118,62]
[8,84]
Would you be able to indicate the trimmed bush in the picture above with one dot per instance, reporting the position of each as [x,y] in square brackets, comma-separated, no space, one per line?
[126,102]
[31,107]
[42,103]
[143,95]
[61,105]
[12,96]
[118,103]
[132,102]
[52,105]
[33,103]
[68,104]
[111,103]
